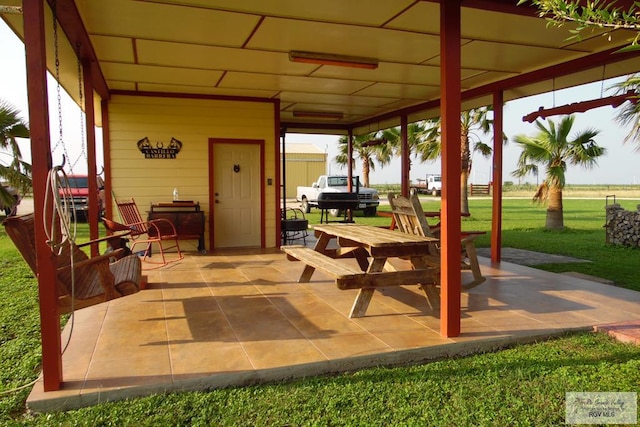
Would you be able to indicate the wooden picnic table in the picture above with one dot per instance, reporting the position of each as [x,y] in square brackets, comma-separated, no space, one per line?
[371,246]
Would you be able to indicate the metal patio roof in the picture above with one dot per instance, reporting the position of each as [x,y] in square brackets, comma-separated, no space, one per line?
[236,48]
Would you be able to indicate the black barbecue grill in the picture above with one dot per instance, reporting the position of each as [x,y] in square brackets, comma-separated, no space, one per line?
[341,202]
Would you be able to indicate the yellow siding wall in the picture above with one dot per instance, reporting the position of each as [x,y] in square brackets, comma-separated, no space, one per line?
[303,169]
[193,122]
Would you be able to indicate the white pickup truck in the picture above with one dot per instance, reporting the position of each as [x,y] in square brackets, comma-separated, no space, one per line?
[368,199]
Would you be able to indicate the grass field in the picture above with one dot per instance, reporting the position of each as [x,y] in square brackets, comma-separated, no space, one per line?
[524,385]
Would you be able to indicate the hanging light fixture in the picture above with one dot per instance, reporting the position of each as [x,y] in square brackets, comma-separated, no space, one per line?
[374,142]
[332,59]
[11,9]
[330,115]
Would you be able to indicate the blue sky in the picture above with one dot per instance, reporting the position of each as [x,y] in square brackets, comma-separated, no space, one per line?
[619,166]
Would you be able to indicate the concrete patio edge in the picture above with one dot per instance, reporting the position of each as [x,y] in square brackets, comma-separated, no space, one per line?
[288,373]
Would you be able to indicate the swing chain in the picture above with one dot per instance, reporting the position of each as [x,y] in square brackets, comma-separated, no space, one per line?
[83,153]
[56,53]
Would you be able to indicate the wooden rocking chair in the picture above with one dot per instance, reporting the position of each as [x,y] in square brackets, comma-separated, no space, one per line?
[90,281]
[156,231]
[410,218]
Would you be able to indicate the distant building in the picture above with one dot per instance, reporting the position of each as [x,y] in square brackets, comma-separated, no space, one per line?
[304,163]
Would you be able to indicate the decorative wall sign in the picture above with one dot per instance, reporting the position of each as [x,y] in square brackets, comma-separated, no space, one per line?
[159,151]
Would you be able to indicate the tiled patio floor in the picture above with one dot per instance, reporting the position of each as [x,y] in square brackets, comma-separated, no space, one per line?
[239,317]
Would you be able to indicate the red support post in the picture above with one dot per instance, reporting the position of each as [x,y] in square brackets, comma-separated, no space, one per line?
[405,165]
[450,52]
[350,168]
[496,179]
[281,193]
[90,125]
[106,155]
[36,52]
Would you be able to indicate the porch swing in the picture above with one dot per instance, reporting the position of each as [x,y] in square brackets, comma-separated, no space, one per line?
[80,281]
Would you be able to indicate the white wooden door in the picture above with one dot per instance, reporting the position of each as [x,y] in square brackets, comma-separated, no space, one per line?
[236,195]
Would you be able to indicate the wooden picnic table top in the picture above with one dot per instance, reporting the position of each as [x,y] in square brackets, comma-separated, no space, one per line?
[380,242]
[372,236]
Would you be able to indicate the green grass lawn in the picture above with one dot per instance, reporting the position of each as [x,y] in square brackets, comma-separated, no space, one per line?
[524,385]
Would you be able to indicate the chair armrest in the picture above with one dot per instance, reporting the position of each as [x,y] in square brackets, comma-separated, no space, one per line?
[104,239]
[468,238]
[473,233]
[113,226]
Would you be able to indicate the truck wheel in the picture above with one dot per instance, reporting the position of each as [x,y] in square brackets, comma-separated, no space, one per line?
[369,211]
[335,212]
[305,205]
[434,192]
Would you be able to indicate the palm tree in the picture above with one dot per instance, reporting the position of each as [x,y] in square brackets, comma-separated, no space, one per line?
[16,172]
[415,136]
[552,148]
[471,121]
[382,153]
[629,113]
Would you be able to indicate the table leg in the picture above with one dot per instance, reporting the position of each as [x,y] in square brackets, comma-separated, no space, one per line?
[363,299]
[362,256]
[430,290]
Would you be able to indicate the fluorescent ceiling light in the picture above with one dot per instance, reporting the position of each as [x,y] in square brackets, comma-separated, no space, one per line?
[11,9]
[374,142]
[331,59]
[336,115]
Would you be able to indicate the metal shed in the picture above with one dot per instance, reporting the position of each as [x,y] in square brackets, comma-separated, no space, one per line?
[304,163]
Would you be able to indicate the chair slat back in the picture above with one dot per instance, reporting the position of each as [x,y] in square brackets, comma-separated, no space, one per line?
[131,217]
[21,230]
[409,215]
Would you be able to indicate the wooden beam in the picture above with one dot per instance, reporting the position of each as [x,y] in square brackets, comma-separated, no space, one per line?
[582,106]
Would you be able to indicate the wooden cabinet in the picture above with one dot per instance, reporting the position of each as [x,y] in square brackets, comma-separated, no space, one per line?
[186,217]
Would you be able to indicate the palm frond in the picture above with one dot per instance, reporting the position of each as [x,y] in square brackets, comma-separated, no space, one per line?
[541,194]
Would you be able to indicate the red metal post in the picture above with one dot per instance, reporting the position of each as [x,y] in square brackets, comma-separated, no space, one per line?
[350,168]
[405,164]
[36,52]
[90,124]
[106,156]
[280,156]
[496,179]
[450,52]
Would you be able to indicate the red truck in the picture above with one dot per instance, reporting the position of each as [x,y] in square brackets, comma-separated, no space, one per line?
[78,191]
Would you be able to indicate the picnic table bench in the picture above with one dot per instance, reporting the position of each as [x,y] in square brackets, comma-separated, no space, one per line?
[371,247]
